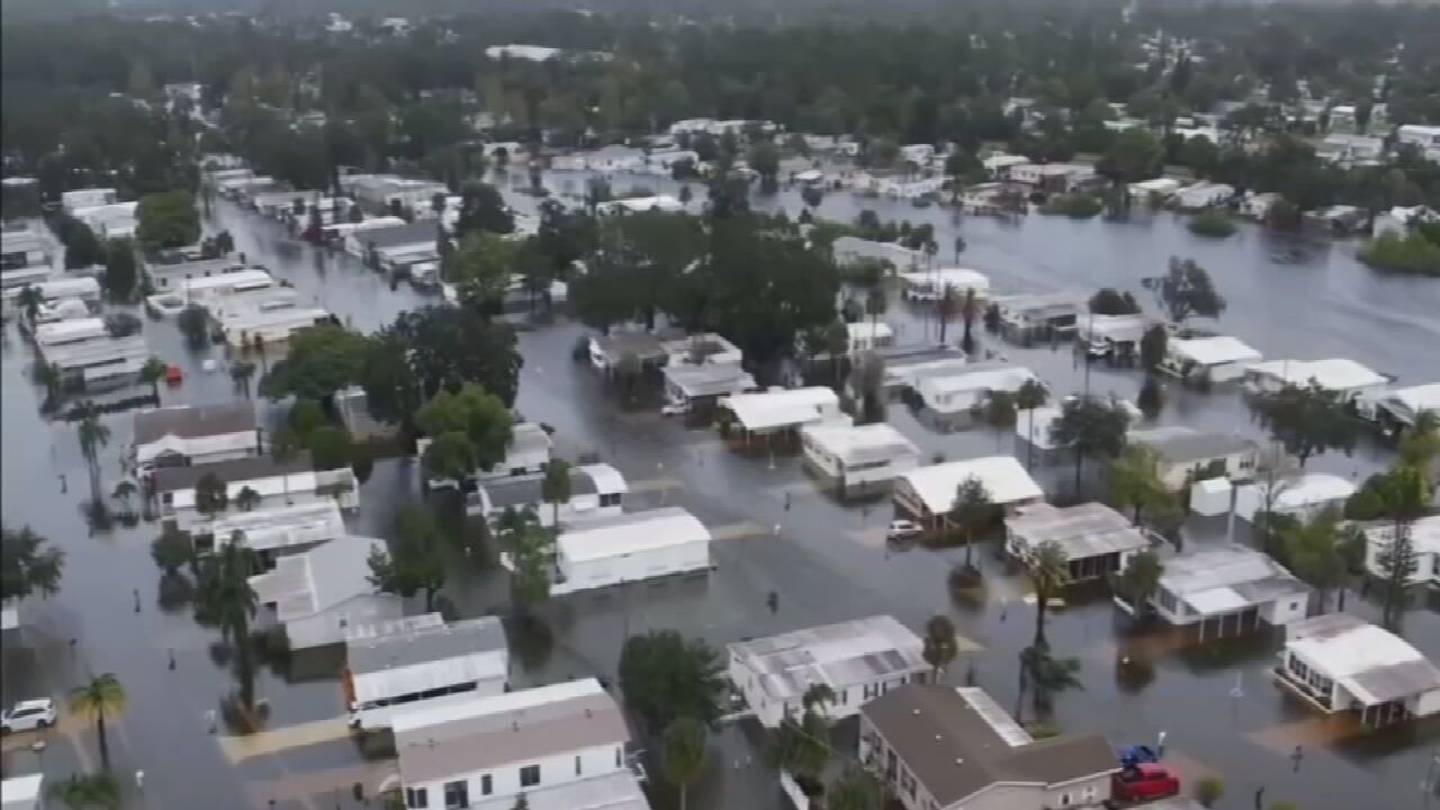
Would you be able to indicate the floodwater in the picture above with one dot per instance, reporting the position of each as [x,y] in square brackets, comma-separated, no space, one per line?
[824,561]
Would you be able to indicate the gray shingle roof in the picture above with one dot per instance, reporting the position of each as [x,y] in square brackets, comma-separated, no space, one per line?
[425,645]
[171,479]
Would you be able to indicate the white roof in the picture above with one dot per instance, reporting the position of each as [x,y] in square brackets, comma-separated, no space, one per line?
[1424,534]
[791,407]
[80,287]
[278,527]
[869,331]
[1043,416]
[421,717]
[1080,531]
[239,278]
[858,443]
[1333,373]
[662,202]
[302,585]
[1119,328]
[978,379]
[1213,351]
[841,654]
[1004,161]
[957,278]
[631,533]
[1228,578]
[423,658]
[1004,477]
[1372,663]
[18,789]
[49,334]
[1313,488]
[606,478]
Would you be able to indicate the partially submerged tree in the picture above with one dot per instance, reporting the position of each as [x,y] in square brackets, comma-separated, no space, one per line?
[1091,428]
[1314,552]
[683,753]
[103,698]
[29,564]
[1139,580]
[941,645]
[1307,420]
[416,561]
[1032,394]
[972,508]
[1049,572]
[1185,291]
[665,676]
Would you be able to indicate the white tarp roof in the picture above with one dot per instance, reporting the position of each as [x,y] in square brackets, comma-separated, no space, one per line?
[1213,351]
[1004,477]
[631,533]
[1333,373]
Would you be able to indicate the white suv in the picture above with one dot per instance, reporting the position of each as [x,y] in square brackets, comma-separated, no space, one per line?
[28,715]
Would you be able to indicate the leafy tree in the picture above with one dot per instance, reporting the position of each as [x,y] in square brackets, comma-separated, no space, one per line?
[416,561]
[481,268]
[330,447]
[103,697]
[82,248]
[79,792]
[663,677]
[555,488]
[1404,495]
[321,360]
[122,324]
[941,645]
[435,347]
[1313,550]
[1092,428]
[120,270]
[28,565]
[152,373]
[450,456]
[194,323]
[29,300]
[1110,301]
[305,417]
[241,373]
[482,209]
[946,307]
[683,753]
[1049,573]
[531,550]
[969,309]
[1135,155]
[247,499]
[171,550]
[211,495]
[1307,420]
[1139,580]
[855,789]
[1186,290]
[1135,483]
[481,418]
[1151,399]
[1048,675]
[764,159]
[1212,222]
[1154,344]
[167,220]
[973,509]
[997,411]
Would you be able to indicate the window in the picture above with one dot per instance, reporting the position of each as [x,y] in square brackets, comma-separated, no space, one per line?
[618,755]
[577,764]
[486,787]
[871,690]
[457,795]
[1064,799]
[610,499]
[417,797]
[530,776]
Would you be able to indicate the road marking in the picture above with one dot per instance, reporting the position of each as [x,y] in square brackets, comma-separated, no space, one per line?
[239,748]
[738,531]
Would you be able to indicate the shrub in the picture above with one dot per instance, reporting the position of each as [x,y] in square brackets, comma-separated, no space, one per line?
[1212,222]
[1408,254]
[1075,206]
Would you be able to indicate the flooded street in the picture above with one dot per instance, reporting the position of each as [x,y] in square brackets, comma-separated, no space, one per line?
[824,561]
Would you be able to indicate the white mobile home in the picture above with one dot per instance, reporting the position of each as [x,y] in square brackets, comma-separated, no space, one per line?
[1203,195]
[779,410]
[1333,374]
[930,285]
[596,491]
[1340,663]
[274,530]
[1302,497]
[961,389]
[1399,408]
[688,386]
[859,660]
[421,661]
[1215,359]
[269,326]
[865,336]
[1096,540]
[86,198]
[858,455]
[927,494]
[315,595]
[561,746]
[195,434]
[276,483]
[1181,451]
[630,547]
[1228,590]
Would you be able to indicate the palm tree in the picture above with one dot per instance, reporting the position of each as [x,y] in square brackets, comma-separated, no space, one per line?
[124,491]
[875,306]
[555,489]
[940,644]
[152,373]
[240,374]
[93,436]
[1049,573]
[969,311]
[959,247]
[1404,494]
[683,753]
[1048,675]
[103,697]
[1032,394]
[972,507]
[79,792]
[227,601]
[246,499]
[30,300]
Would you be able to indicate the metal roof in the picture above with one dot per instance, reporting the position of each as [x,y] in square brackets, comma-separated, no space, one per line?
[1179,444]
[424,656]
[1228,578]
[1372,663]
[630,533]
[857,444]
[1081,531]
[171,479]
[784,408]
[304,584]
[278,527]
[1213,351]
[1004,477]
[192,421]
[958,741]
[839,655]
[616,790]
[1333,373]
[709,380]
[524,490]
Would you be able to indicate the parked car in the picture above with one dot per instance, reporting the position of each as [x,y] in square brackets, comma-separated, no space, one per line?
[1144,782]
[173,375]
[1132,755]
[903,530]
[28,715]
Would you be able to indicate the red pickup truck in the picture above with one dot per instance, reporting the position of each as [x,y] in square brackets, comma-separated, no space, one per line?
[1143,782]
